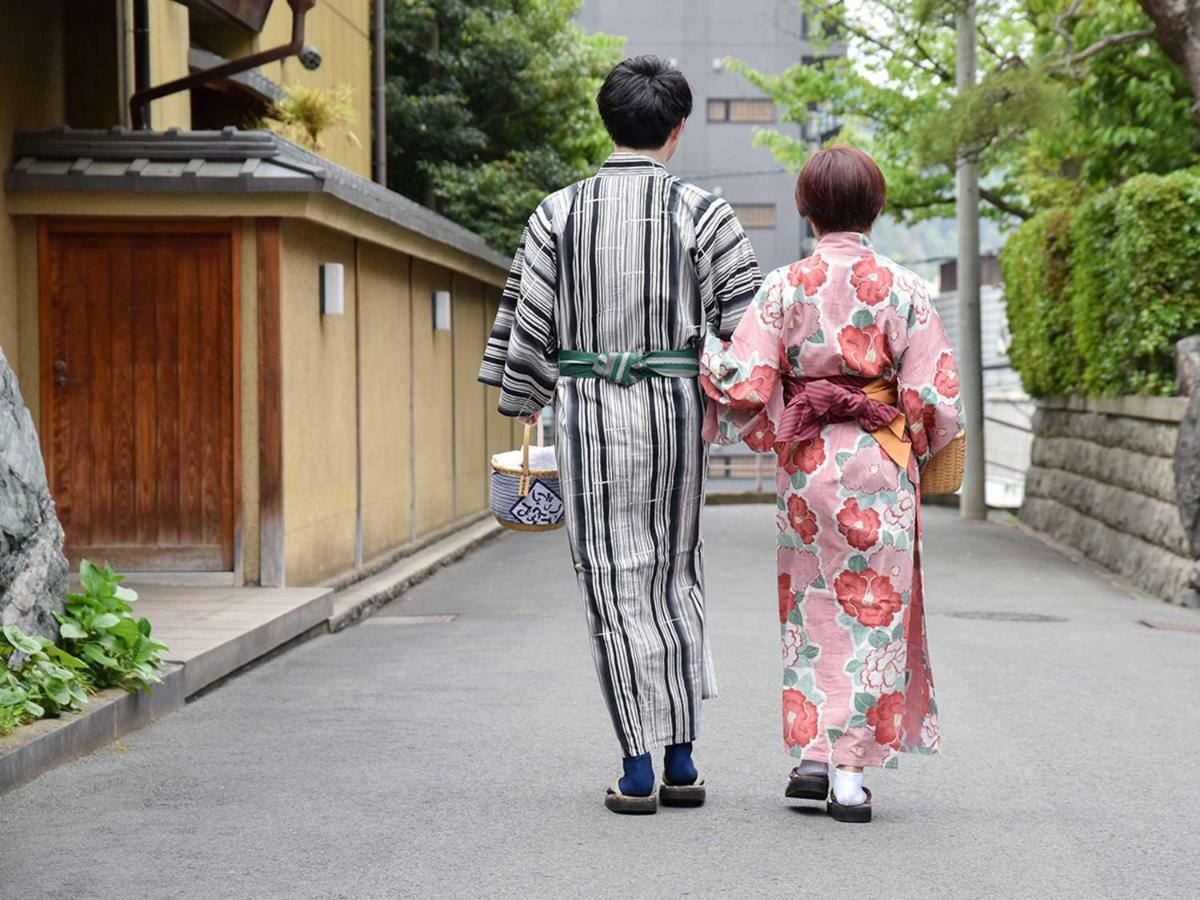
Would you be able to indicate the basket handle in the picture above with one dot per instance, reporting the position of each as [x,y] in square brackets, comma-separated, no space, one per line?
[526,475]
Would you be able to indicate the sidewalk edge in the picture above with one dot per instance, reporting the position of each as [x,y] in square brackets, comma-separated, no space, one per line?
[110,714]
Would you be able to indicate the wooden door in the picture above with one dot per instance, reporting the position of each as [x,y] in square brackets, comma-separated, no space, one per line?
[139,392]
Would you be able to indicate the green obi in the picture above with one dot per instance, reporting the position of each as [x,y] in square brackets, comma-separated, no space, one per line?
[629,367]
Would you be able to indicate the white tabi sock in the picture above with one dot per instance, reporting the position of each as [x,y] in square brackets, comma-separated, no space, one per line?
[812,767]
[848,789]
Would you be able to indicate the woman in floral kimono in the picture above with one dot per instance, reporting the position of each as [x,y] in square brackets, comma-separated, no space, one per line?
[842,366]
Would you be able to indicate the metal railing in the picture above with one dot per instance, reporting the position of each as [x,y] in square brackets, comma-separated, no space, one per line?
[758,468]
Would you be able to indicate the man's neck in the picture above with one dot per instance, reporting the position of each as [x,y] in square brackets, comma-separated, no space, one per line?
[661,154]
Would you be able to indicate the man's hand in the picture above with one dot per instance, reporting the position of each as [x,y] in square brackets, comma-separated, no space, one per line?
[533,418]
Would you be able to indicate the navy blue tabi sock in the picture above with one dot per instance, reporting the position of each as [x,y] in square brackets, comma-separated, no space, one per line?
[639,776]
[678,767]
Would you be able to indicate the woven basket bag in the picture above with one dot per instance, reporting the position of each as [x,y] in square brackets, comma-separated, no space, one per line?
[943,474]
[527,493]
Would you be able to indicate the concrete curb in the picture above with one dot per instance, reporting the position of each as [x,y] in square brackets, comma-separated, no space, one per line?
[39,746]
[360,600]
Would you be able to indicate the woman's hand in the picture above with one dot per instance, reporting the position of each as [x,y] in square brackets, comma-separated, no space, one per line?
[533,418]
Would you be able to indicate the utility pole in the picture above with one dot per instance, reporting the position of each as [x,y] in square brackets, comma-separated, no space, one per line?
[973,502]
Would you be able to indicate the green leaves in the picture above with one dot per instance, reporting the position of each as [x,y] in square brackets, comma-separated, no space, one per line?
[103,645]
[1098,293]
[491,106]
[1047,121]
[23,642]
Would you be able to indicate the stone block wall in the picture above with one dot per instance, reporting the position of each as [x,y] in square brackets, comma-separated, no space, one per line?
[1102,480]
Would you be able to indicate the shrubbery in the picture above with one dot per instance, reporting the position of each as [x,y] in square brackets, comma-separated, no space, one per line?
[1099,294]
[103,645]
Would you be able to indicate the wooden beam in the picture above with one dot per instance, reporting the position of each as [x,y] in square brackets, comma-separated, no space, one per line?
[270,405]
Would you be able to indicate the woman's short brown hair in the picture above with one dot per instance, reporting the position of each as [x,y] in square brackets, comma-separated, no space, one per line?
[841,189]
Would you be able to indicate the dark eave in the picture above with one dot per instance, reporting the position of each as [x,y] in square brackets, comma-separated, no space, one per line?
[226,161]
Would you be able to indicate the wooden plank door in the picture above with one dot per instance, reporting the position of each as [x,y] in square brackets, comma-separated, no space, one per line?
[139,374]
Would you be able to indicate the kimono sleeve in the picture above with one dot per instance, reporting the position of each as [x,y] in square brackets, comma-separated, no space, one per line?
[731,266]
[740,377]
[928,381]
[521,357]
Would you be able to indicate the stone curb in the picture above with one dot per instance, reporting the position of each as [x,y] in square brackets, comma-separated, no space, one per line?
[359,601]
[39,746]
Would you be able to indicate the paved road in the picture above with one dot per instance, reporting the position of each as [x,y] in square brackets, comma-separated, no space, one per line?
[467,759]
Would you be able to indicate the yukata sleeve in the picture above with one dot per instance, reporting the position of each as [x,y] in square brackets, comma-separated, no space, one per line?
[928,381]
[521,357]
[731,266]
[740,377]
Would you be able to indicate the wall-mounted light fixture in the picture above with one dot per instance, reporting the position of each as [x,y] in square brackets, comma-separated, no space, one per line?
[441,310]
[333,283]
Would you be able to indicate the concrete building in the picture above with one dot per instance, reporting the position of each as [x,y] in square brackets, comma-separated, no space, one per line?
[170,303]
[718,151]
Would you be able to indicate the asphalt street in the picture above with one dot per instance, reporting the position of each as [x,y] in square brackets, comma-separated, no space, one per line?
[412,756]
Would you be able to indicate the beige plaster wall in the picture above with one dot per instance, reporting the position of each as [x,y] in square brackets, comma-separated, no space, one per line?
[169,40]
[320,466]
[433,403]
[385,372]
[470,400]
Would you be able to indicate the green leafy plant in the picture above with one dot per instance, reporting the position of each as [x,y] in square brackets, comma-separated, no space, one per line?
[103,645]
[99,627]
[38,679]
[1099,293]
[306,113]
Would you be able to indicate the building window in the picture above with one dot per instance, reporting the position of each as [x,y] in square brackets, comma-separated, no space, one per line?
[749,110]
[755,215]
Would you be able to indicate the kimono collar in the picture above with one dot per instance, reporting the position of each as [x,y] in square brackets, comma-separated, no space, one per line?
[849,242]
[632,164]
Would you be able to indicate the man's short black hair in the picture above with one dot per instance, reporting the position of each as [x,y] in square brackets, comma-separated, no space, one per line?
[642,100]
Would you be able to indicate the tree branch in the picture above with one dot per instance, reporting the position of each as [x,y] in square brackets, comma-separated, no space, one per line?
[1003,205]
[842,22]
[1112,40]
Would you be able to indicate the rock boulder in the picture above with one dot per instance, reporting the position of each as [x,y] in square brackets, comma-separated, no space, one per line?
[33,570]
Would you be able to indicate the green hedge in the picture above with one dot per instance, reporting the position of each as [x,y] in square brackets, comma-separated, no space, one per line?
[1099,294]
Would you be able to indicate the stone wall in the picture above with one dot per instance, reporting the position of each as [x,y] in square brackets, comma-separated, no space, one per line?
[1103,481]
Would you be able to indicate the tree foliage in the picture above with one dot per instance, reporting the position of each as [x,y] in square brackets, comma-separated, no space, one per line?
[1072,96]
[1099,293]
[491,105]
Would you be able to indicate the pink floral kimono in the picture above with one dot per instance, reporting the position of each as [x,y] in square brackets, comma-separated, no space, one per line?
[857,686]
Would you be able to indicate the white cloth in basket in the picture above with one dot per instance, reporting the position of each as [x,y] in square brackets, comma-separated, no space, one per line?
[540,459]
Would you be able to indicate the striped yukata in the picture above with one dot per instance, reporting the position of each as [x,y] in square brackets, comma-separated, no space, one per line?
[632,259]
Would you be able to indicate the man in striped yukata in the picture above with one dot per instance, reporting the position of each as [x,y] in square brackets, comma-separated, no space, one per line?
[611,290]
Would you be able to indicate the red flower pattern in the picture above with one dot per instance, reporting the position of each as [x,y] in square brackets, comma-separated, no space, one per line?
[802,520]
[867,596]
[871,281]
[920,418]
[886,717]
[787,597]
[864,350]
[754,390]
[799,719]
[946,379]
[801,456]
[859,526]
[809,273]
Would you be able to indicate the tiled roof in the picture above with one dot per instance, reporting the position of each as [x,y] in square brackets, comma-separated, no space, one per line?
[226,161]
